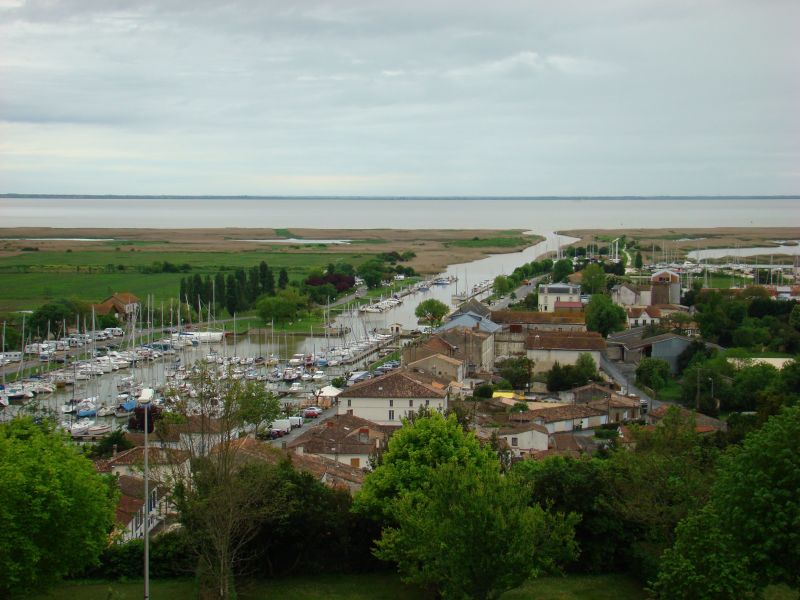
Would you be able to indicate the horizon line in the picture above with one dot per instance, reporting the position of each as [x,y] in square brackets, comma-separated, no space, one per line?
[398,197]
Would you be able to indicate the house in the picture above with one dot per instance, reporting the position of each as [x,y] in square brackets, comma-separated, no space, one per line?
[703,423]
[666,287]
[524,438]
[632,347]
[385,400]
[121,304]
[519,321]
[474,346]
[470,320]
[516,325]
[473,306]
[566,417]
[347,439]
[618,407]
[590,392]
[548,347]
[566,306]
[327,396]
[643,316]
[199,433]
[422,348]
[131,513]
[163,463]
[439,365]
[551,293]
[331,473]
[628,294]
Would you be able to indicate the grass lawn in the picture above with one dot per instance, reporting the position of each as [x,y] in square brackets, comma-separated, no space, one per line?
[358,587]
[32,278]
[493,242]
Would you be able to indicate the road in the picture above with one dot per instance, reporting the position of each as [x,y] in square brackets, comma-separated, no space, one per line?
[624,382]
[326,414]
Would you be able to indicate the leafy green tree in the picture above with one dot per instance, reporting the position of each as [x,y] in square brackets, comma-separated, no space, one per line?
[603,316]
[566,485]
[411,457]
[585,369]
[472,535]
[794,317]
[372,272]
[561,269]
[53,314]
[56,513]
[756,499]
[256,405]
[502,285]
[653,487]
[517,371]
[483,391]
[431,311]
[593,280]
[653,373]
[113,442]
[285,306]
[637,260]
[702,564]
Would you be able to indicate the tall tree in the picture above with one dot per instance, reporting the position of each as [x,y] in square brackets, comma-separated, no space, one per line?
[638,262]
[219,287]
[283,278]
[232,295]
[266,279]
[56,512]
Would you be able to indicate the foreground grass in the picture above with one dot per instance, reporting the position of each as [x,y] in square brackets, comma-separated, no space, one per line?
[358,587]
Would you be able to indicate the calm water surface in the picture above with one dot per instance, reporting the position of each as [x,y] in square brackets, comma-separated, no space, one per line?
[539,215]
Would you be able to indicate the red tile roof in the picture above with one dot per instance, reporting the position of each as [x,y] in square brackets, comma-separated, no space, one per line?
[565,340]
[396,384]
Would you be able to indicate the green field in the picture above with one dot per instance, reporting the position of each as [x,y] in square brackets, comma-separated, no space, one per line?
[493,242]
[30,279]
[358,587]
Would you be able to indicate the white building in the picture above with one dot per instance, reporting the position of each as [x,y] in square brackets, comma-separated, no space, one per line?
[551,293]
[387,399]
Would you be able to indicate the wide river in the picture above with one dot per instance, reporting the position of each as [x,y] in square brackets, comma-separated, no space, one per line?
[539,215]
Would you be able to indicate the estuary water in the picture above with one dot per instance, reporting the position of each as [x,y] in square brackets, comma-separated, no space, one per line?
[541,215]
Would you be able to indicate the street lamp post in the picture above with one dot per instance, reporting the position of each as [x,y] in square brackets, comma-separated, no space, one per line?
[144,400]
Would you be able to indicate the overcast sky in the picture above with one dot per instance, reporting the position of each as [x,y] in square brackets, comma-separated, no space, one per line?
[414,97]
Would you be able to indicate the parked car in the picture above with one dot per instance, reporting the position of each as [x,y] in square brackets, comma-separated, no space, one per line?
[312,412]
[297,420]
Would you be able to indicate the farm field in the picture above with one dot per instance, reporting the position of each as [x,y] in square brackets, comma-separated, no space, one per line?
[90,268]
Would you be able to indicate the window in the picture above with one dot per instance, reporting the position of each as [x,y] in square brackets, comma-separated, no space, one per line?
[391,415]
[514,441]
[410,404]
[391,403]
[348,402]
[355,463]
[427,402]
